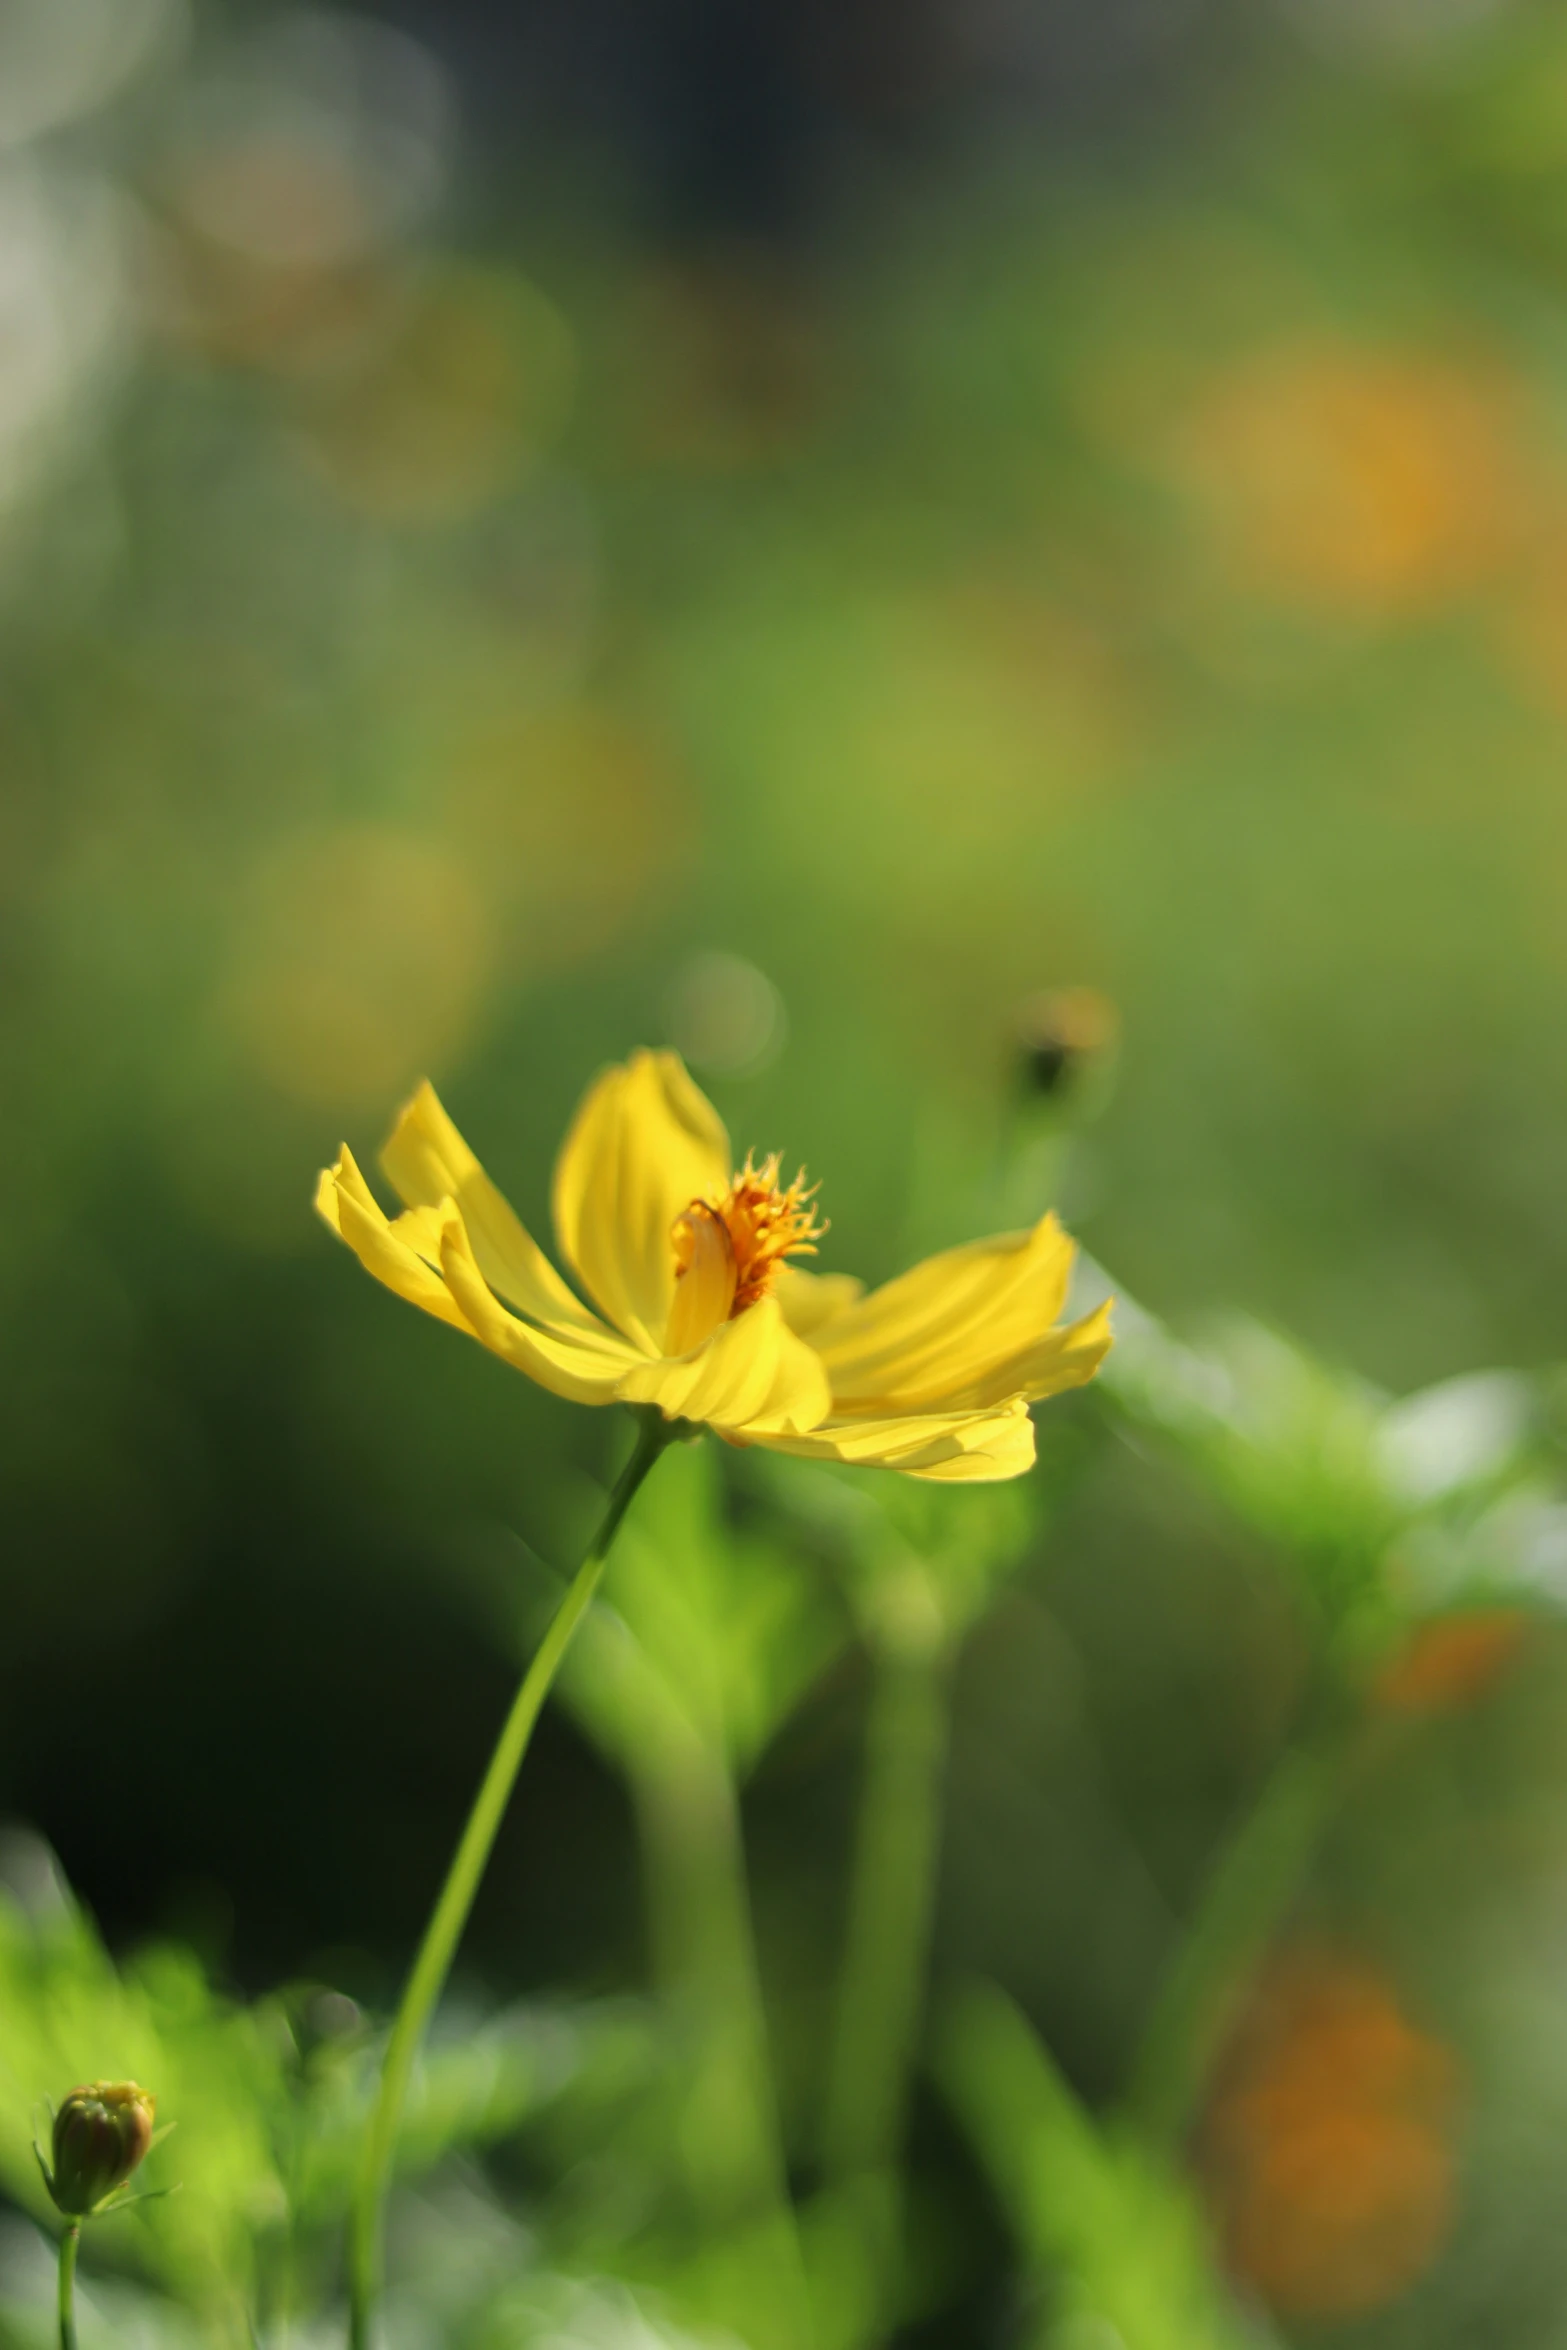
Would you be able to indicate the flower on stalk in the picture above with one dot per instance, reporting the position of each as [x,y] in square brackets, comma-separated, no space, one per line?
[100,2134]
[700,1312]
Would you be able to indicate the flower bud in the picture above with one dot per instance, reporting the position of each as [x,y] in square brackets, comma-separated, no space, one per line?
[1060,1033]
[101,2133]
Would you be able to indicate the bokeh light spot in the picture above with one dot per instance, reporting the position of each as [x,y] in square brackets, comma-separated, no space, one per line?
[315,141]
[360,961]
[1454,1661]
[61,59]
[724,1016]
[1328,2144]
[1369,484]
[576,817]
[468,389]
[65,323]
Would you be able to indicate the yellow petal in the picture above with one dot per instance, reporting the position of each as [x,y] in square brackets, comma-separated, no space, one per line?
[975,1447]
[705,1282]
[583,1368]
[1007,1451]
[811,1300]
[939,1331]
[428,1162]
[644,1144]
[345,1201]
[425,1257]
[753,1377]
[1067,1356]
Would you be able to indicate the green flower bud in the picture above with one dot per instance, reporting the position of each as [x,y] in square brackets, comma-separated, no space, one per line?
[1061,1034]
[101,2133]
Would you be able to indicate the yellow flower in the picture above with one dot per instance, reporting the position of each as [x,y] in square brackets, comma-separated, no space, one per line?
[700,1313]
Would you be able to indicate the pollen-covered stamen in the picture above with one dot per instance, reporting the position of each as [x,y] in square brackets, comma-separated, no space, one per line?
[728,1250]
[767,1221]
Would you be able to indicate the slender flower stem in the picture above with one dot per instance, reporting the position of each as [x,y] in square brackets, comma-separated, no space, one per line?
[68,2244]
[891,1902]
[450,1915]
[1247,1892]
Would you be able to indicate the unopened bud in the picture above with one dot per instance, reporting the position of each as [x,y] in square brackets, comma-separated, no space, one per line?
[101,2133]
[1059,1033]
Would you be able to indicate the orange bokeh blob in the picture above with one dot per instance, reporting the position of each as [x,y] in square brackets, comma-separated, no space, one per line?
[1367,484]
[1453,1661]
[1327,2149]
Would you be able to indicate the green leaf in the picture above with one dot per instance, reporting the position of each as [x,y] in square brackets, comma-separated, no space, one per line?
[706,1632]
[1111,2235]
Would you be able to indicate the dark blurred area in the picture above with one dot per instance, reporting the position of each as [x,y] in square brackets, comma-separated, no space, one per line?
[770,121]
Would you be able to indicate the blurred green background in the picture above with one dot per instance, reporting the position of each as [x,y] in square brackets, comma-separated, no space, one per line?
[529,532]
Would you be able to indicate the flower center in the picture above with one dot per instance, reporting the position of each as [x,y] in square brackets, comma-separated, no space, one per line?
[727,1251]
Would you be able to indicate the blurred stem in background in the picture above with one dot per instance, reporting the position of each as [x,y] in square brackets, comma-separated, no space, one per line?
[704,1950]
[891,1902]
[1063,1076]
[450,1915]
[1250,1886]
[1062,1072]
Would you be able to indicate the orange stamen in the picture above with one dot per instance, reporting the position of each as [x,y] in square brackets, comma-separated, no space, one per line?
[766,1221]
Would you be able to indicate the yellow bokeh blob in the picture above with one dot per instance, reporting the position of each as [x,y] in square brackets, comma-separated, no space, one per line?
[578,815]
[466,390]
[360,960]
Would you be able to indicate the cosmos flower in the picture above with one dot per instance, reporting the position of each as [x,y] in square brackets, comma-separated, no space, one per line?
[697,1308]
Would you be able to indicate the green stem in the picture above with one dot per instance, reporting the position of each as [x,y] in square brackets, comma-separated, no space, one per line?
[891,1901]
[1247,1892]
[706,1957]
[450,1914]
[68,2244]
[731,2139]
